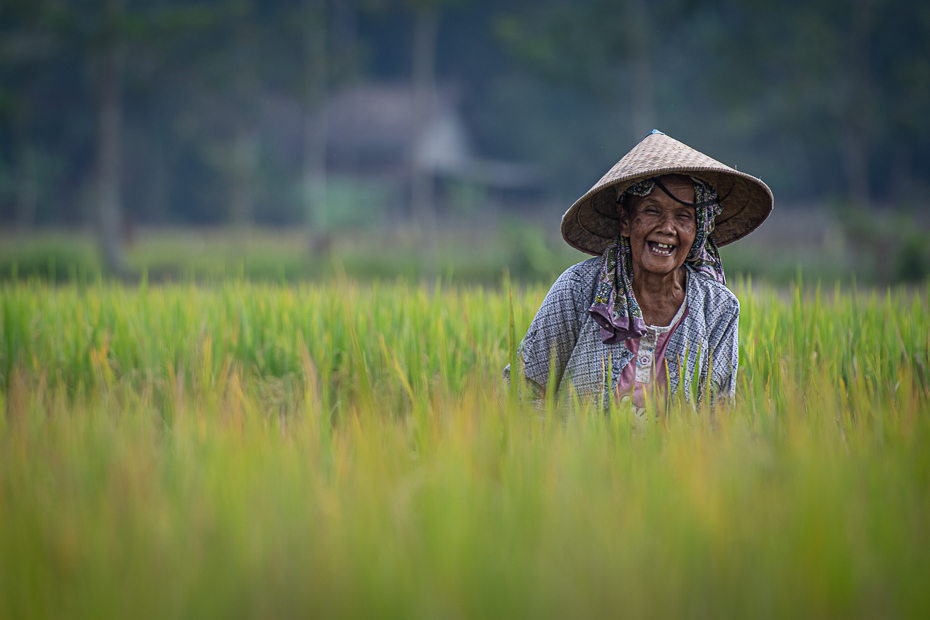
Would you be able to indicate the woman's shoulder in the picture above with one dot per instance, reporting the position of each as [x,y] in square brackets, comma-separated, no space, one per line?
[578,277]
[575,287]
[714,296]
[585,270]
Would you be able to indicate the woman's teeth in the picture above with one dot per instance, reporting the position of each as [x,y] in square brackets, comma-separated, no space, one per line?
[663,249]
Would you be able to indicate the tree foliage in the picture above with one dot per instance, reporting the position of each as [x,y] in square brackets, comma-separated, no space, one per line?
[823,99]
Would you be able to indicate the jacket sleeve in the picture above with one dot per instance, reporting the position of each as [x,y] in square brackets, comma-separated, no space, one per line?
[724,340]
[553,333]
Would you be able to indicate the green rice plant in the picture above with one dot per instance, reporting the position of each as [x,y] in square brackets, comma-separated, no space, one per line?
[346,449]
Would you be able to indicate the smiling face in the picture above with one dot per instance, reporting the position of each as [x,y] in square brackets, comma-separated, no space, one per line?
[661,230]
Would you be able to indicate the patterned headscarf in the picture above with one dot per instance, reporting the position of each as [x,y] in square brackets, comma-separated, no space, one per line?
[615,308]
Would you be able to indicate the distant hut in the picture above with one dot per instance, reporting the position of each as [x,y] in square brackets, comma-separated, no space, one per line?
[372,132]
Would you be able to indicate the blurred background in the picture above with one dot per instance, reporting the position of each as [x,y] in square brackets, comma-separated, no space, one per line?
[297,139]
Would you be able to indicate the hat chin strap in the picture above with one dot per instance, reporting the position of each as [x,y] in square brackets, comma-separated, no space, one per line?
[706,203]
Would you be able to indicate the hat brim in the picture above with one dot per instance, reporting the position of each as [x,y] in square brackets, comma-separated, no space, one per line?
[592,223]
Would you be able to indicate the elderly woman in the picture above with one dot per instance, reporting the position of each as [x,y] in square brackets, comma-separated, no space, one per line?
[651,311]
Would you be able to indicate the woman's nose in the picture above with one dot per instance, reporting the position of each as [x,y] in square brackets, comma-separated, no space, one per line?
[666,224]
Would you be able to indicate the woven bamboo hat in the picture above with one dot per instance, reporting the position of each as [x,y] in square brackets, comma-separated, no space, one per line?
[592,223]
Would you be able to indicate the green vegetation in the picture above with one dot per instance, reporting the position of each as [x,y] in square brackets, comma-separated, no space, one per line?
[267,450]
[894,251]
[266,254]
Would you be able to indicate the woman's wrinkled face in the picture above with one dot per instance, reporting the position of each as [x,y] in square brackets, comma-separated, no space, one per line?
[661,231]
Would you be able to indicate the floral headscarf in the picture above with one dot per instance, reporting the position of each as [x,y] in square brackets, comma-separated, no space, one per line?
[615,308]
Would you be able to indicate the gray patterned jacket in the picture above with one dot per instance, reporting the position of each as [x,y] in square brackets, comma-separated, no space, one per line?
[707,338]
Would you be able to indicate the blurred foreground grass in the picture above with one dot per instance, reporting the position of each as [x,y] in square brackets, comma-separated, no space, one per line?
[344,449]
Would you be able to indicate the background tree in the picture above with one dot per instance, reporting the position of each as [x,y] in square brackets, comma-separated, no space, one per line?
[426,20]
[316,82]
[110,133]
[172,112]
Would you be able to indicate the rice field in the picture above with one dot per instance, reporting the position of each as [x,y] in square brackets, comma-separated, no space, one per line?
[347,450]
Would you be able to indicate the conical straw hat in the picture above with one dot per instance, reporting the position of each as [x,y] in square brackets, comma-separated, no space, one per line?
[592,223]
